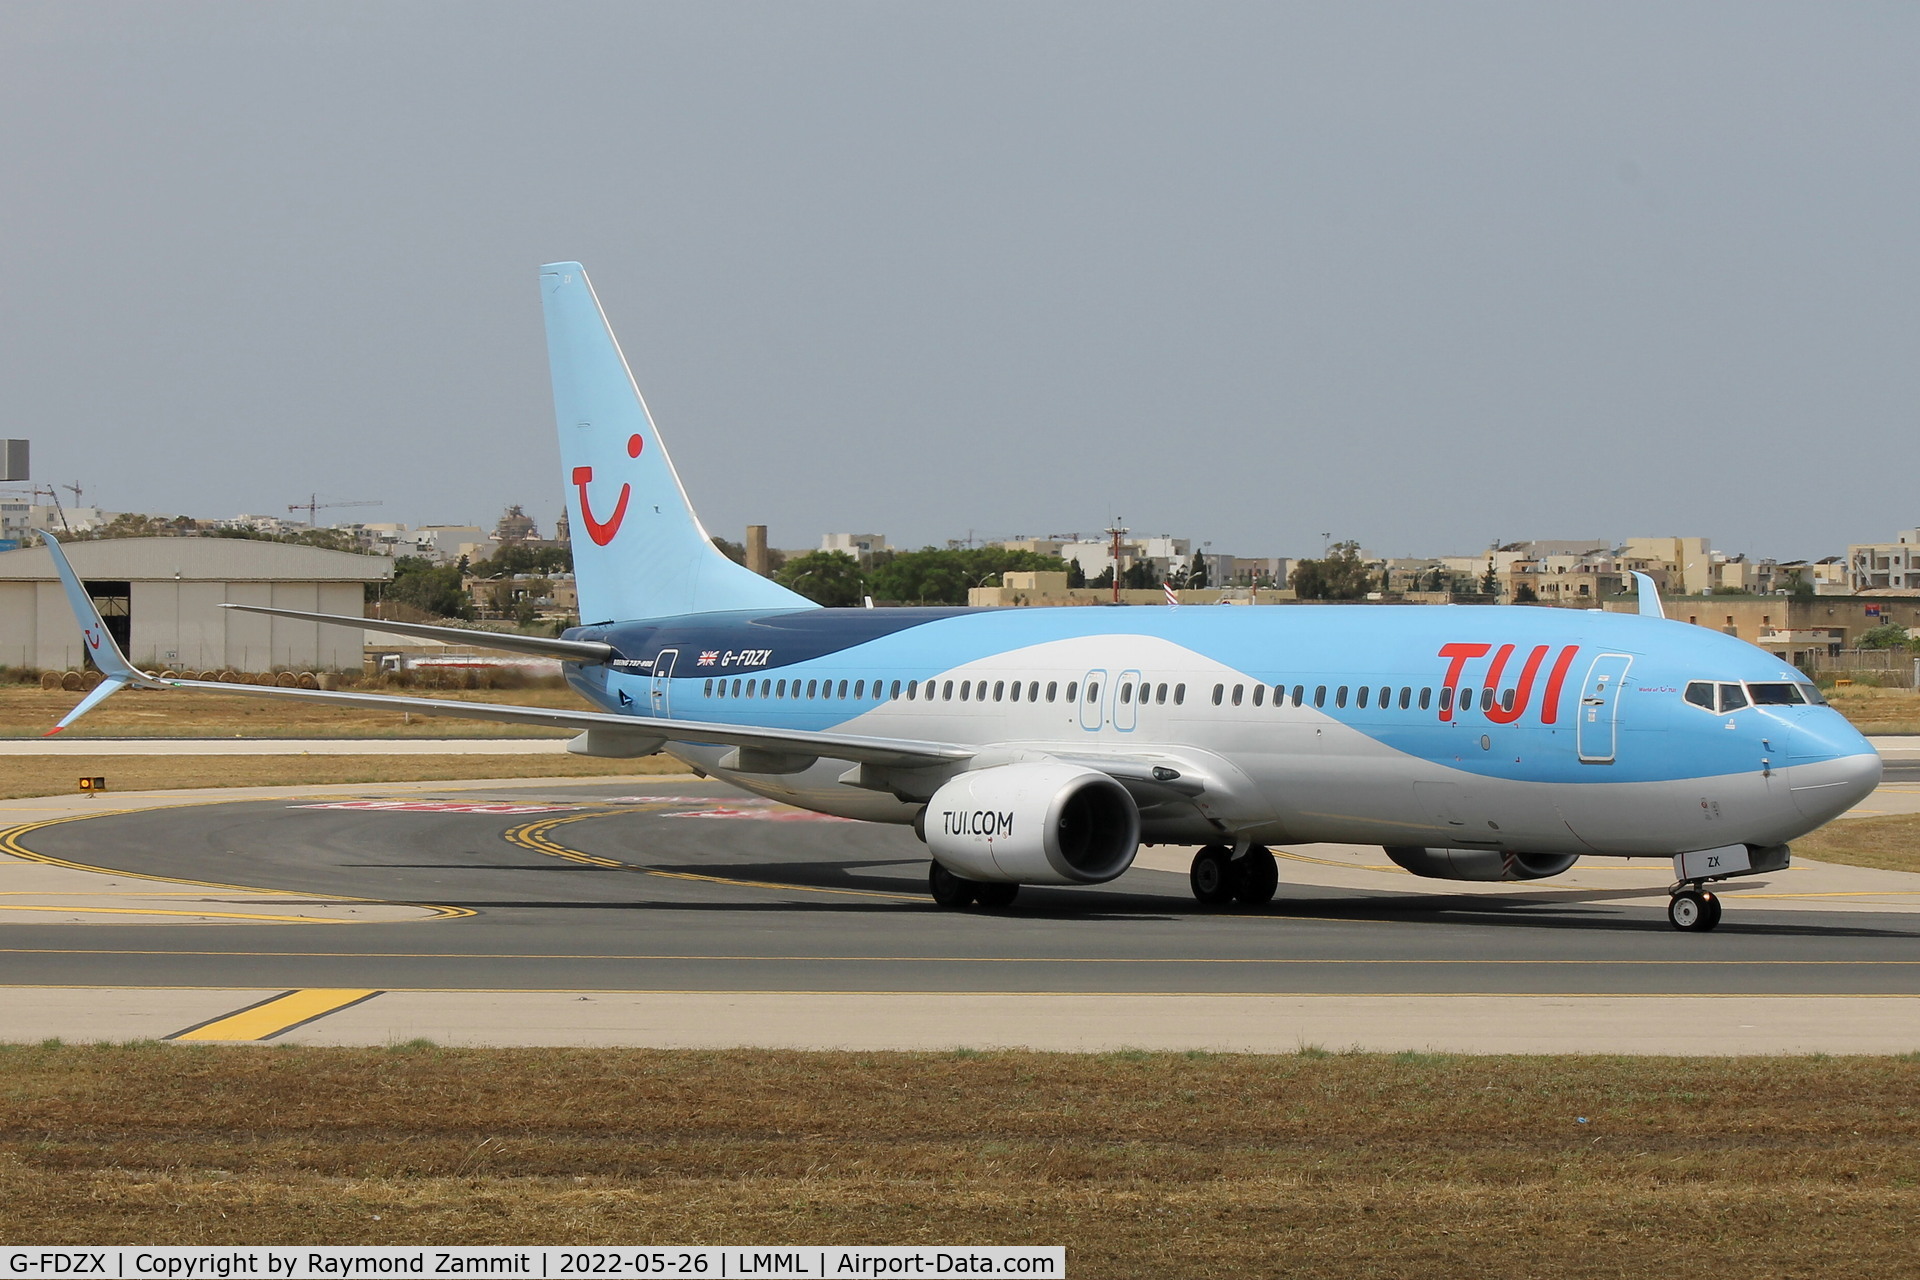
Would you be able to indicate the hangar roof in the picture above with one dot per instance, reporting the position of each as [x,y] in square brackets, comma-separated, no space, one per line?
[196,560]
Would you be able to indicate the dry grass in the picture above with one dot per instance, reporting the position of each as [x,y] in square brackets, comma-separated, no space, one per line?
[59,775]
[1878,711]
[1891,843]
[138,713]
[1143,1165]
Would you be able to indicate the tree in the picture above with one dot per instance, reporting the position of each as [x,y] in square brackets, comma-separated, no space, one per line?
[1140,576]
[1489,581]
[944,576]
[831,578]
[1197,574]
[1341,576]
[733,551]
[517,558]
[1525,594]
[433,588]
[1888,635]
[1076,576]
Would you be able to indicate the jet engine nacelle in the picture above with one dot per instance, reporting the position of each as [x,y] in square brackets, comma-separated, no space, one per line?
[1035,823]
[1481,864]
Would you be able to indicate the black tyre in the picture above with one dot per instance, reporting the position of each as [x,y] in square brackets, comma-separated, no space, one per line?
[1692,911]
[996,895]
[948,889]
[1256,877]
[1212,876]
[1713,911]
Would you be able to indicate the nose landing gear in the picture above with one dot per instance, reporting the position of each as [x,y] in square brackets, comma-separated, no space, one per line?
[1693,910]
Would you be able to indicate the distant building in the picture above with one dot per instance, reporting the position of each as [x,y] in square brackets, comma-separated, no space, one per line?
[860,546]
[1885,566]
[1682,566]
[161,598]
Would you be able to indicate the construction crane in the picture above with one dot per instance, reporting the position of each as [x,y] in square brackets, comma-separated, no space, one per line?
[313,505]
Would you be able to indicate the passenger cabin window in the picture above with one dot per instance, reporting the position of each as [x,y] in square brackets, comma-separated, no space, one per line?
[1259,695]
[1340,696]
[1073,688]
[1126,693]
[1320,695]
[946,691]
[812,687]
[1426,698]
[1406,697]
[1219,694]
[1386,695]
[1506,700]
[1052,686]
[1239,691]
[1179,694]
[709,692]
[1299,692]
[966,687]
[999,687]
[1160,694]
[1013,691]
[1033,691]
[1365,693]
[1446,697]
[896,689]
[1093,691]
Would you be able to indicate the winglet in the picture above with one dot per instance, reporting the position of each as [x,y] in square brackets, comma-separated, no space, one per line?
[1649,597]
[101,645]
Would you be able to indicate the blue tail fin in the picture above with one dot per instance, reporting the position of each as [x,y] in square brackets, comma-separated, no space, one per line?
[638,549]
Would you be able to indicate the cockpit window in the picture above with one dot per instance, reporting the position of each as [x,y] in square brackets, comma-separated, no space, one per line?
[1782,694]
[1732,697]
[1700,694]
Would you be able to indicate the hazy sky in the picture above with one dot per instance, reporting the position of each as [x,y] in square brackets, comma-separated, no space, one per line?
[1423,275]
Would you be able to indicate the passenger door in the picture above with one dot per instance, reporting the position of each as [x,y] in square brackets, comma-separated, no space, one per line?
[1600,708]
[1093,696]
[662,689]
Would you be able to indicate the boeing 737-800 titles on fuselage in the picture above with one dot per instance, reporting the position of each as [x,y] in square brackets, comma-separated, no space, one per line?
[1044,746]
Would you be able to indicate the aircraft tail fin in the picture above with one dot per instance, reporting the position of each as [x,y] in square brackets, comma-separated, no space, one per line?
[639,551]
[101,645]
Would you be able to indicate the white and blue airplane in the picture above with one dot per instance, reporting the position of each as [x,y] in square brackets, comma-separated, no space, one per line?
[1045,746]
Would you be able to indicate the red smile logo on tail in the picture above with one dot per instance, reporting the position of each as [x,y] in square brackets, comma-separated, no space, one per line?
[602,532]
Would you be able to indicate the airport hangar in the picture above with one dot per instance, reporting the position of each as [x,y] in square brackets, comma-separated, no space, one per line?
[161,598]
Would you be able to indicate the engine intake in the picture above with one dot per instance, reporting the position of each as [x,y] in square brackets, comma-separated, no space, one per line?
[1033,823]
[1481,864]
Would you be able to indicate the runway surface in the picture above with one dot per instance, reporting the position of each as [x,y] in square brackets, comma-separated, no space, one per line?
[685,913]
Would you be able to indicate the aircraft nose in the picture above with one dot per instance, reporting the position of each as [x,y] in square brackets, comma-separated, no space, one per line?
[1831,768]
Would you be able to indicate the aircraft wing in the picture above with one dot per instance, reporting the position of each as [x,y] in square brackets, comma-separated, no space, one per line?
[541,646]
[641,735]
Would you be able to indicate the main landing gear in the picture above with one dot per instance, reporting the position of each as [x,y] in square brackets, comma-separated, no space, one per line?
[956,892]
[1218,877]
[1693,909]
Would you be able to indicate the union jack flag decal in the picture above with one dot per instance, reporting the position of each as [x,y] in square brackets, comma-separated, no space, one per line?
[708,657]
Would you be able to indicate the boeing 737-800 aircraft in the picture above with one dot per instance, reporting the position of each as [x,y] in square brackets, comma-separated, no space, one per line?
[1045,746]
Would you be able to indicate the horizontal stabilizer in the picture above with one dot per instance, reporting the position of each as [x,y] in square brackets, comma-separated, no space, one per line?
[543,646]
